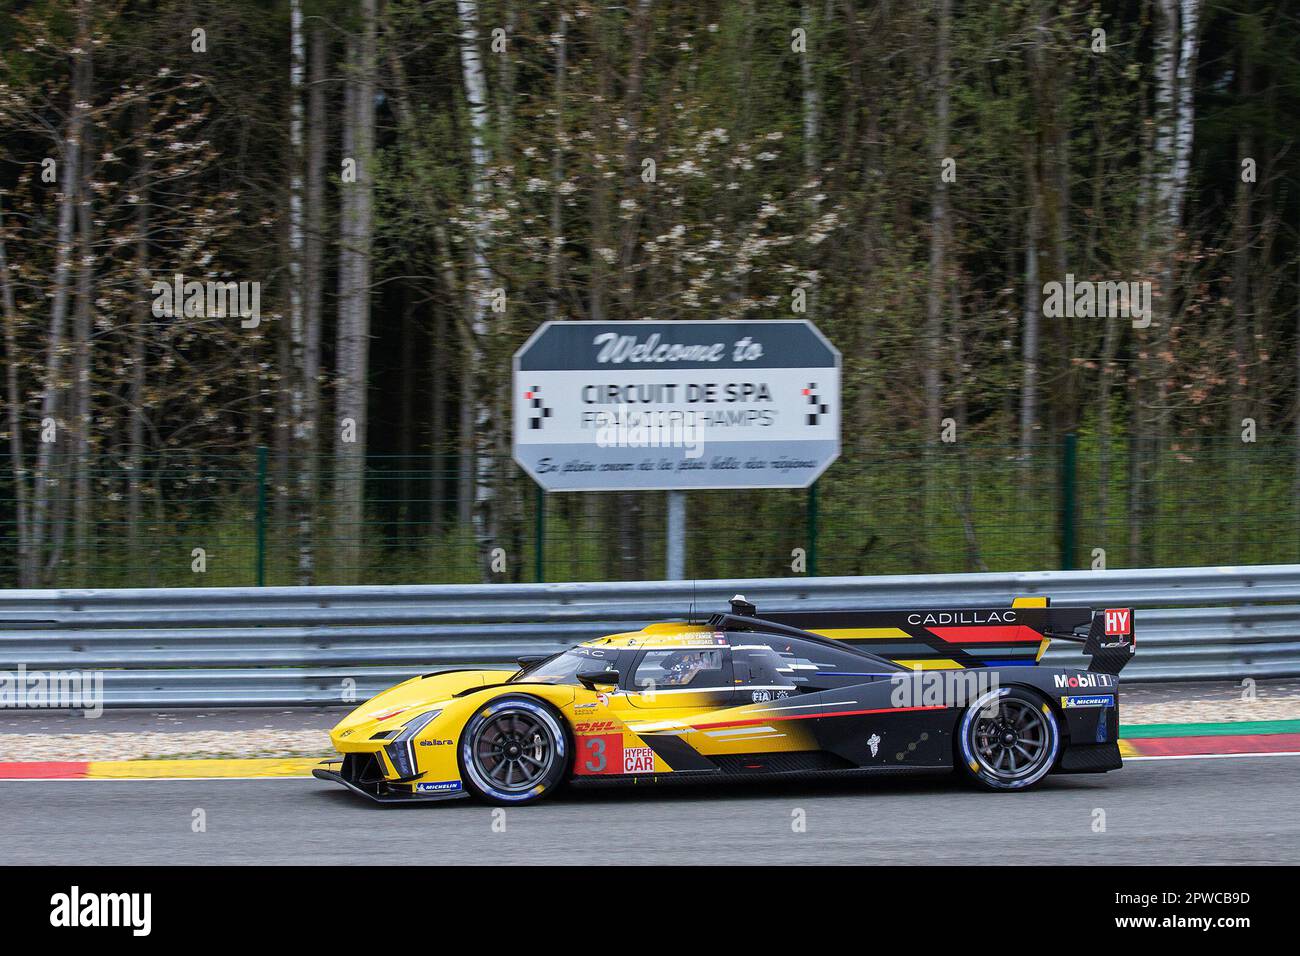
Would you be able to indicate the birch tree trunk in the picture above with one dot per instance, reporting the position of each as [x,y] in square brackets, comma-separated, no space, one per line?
[81,384]
[355,237]
[1029,341]
[52,400]
[480,280]
[923,501]
[139,358]
[439,332]
[938,228]
[1295,489]
[1053,89]
[13,396]
[556,259]
[1175,52]
[1241,239]
[631,125]
[1029,335]
[630,508]
[865,71]
[1175,73]
[313,291]
[296,374]
[598,204]
[811,130]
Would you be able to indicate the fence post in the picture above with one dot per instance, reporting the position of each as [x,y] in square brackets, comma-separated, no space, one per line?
[539,535]
[812,530]
[1069,467]
[675,537]
[261,515]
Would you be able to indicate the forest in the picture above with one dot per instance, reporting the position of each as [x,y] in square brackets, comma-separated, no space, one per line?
[263,266]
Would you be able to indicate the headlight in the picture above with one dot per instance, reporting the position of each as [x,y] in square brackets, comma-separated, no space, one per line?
[402,750]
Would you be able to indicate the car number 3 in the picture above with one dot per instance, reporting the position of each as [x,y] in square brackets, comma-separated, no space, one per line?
[596,755]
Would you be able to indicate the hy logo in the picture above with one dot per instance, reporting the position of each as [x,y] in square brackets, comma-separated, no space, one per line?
[1118,622]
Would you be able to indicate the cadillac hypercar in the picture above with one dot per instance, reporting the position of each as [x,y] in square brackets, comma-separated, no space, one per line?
[743,694]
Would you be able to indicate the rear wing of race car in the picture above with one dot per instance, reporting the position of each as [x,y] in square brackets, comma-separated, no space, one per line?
[971,637]
[1110,641]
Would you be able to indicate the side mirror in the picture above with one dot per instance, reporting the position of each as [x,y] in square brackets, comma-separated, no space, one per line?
[590,679]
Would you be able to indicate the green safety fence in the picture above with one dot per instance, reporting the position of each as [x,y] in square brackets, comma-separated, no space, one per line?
[254,519]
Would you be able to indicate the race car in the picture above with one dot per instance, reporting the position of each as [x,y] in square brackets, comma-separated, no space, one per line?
[744,695]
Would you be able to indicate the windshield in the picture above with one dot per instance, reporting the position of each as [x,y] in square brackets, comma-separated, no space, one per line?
[565,667]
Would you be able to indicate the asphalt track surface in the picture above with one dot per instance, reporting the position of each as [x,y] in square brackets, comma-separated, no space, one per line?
[1238,810]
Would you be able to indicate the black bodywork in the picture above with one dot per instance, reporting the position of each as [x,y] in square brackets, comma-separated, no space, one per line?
[860,726]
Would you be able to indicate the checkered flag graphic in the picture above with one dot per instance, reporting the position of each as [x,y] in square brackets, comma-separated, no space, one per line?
[540,412]
[817,408]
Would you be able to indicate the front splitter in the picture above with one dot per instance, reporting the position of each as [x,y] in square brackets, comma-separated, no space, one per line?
[320,773]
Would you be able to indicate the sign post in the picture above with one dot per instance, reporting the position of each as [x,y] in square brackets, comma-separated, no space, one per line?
[675,544]
[672,406]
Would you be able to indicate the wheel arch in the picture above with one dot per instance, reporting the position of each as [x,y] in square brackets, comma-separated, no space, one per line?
[1030,689]
[1054,705]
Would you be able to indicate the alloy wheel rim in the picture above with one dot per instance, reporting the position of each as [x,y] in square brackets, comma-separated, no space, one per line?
[513,751]
[1012,742]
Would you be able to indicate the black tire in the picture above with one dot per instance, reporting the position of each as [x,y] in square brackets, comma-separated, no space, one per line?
[514,750]
[1007,740]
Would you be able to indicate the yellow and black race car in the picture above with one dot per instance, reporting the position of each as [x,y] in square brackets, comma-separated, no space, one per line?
[744,695]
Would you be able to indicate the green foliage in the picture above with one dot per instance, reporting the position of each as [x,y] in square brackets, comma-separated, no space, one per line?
[774,170]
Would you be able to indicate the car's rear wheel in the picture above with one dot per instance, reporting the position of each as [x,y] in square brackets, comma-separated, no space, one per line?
[1008,739]
[514,750]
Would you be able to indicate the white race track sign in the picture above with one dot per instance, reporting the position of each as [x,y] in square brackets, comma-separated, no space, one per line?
[623,406]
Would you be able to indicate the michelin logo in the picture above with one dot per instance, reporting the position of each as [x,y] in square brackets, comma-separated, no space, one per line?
[1100,700]
[442,786]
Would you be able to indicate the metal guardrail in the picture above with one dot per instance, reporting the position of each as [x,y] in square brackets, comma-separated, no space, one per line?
[295,646]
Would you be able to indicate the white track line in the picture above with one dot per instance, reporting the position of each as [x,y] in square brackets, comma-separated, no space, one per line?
[1270,753]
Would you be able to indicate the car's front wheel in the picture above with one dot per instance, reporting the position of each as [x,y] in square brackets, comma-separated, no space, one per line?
[514,750]
[1008,739]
